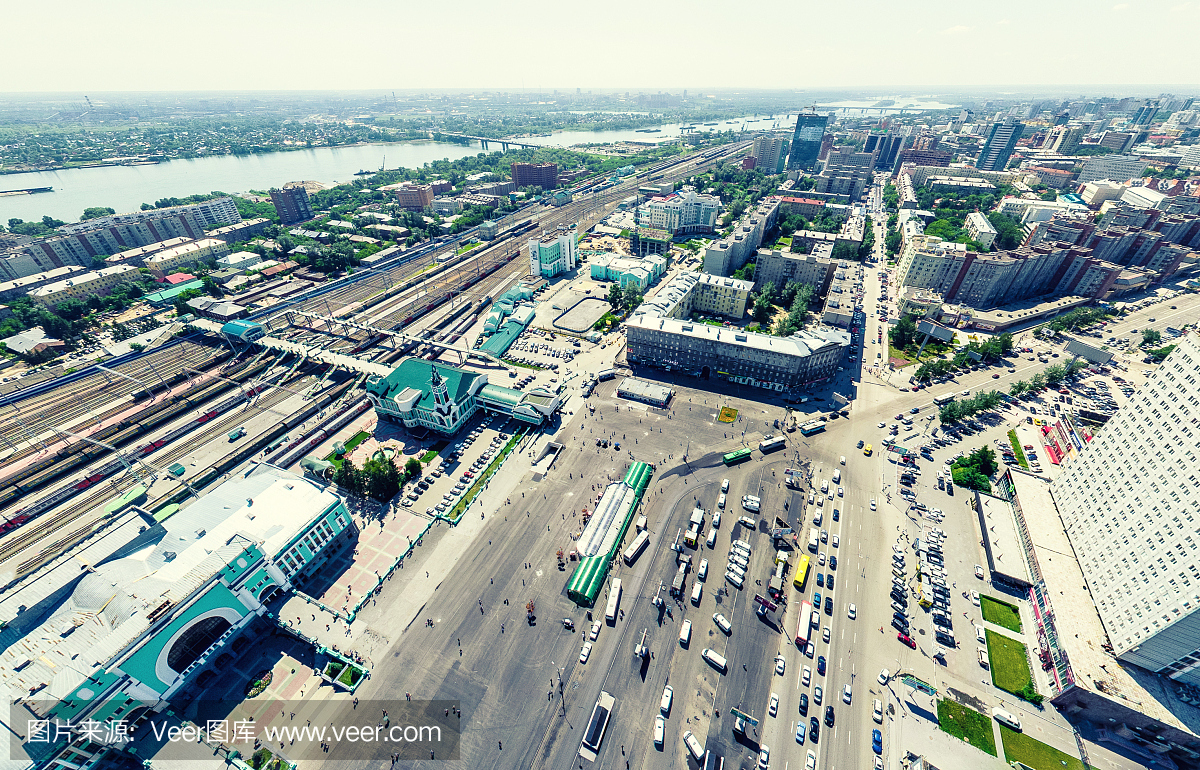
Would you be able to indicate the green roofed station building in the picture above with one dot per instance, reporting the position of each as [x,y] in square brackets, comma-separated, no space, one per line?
[424,395]
[145,614]
[602,538]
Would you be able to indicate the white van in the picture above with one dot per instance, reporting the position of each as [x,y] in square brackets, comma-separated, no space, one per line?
[837,475]
[748,522]
[715,659]
[702,570]
[685,633]
[1004,718]
[693,745]
[736,569]
[721,501]
[979,633]
[751,503]
[712,538]
[740,545]
[697,590]
[734,580]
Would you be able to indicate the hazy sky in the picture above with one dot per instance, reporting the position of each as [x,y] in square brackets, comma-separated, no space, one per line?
[152,45]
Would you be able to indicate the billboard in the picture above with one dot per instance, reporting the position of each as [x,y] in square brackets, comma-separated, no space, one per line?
[1088,353]
[937,331]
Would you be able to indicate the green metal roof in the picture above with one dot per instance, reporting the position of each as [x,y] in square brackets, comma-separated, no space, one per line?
[499,343]
[417,373]
[501,394]
[588,579]
[169,295]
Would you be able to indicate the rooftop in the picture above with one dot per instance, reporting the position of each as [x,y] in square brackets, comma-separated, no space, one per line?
[1004,550]
[417,374]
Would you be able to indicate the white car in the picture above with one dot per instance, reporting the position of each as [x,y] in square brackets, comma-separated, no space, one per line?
[979,572]
[773,708]
[821,558]
[665,704]
[883,676]
[595,632]
[764,757]
[780,664]
[877,711]
[825,634]
[660,728]
[724,485]
[722,623]
[851,611]
[810,763]
[975,598]
[847,694]
[585,652]
[872,503]
[806,676]
[841,492]
[836,541]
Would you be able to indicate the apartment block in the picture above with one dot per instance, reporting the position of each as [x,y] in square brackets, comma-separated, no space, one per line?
[1128,502]
[242,231]
[661,334]
[292,204]
[777,268]
[980,229]
[173,259]
[440,186]
[769,152]
[1119,168]
[730,253]
[543,175]
[19,287]
[998,147]
[139,255]
[83,242]
[680,213]
[1097,192]
[838,307]
[415,197]
[98,282]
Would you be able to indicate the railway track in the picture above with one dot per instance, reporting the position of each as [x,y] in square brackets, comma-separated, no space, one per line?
[26,422]
[54,522]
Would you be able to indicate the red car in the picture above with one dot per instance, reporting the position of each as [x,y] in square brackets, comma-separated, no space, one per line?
[907,640]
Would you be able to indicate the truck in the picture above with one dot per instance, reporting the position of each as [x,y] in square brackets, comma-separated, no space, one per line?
[814,538]
[236,434]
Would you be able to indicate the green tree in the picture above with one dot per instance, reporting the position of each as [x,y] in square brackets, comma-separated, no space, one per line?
[1019,388]
[631,297]
[211,287]
[904,333]
[1055,374]
[615,297]
[95,212]
[1037,381]
[1161,353]
[762,304]
[1151,337]
[72,309]
[983,459]
[1005,341]
[412,468]
[348,477]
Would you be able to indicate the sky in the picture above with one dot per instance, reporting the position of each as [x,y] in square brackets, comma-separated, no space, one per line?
[218,45]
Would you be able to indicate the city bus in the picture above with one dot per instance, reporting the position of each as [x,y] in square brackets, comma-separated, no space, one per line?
[809,428]
[771,444]
[942,400]
[801,575]
[733,458]
[804,628]
[614,600]
[637,546]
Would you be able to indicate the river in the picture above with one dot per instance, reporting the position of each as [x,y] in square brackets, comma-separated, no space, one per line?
[126,188]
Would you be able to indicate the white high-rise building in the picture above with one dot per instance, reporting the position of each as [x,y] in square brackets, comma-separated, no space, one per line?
[680,213]
[553,252]
[1131,507]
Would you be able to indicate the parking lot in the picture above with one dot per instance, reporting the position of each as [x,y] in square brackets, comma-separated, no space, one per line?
[450,476]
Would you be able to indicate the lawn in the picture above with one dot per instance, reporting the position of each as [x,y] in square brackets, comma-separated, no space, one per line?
[1010,663]
[897,357]
[1001,613]
[1016,445]
[728,414]
[967,724]
[1021,748]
